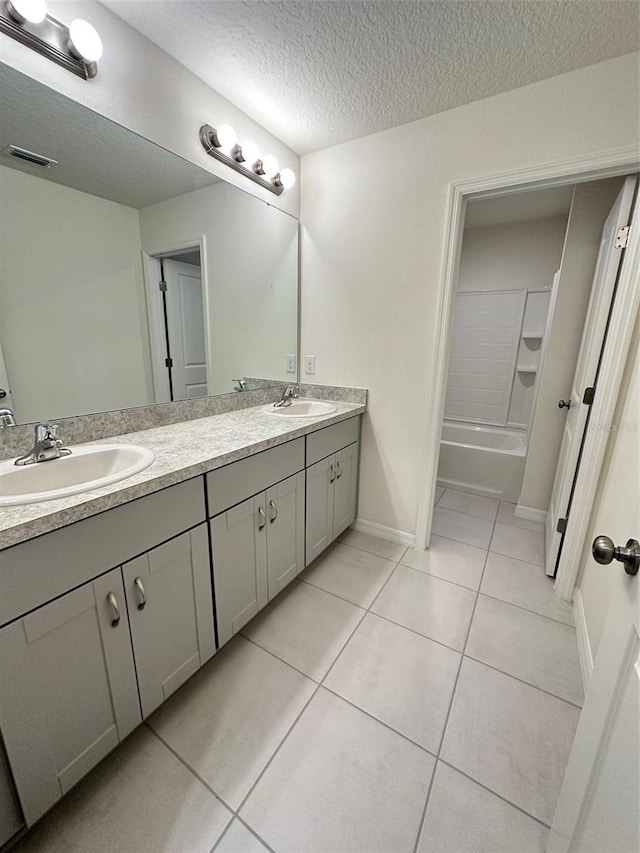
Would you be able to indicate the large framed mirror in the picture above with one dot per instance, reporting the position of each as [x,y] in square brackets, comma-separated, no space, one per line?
[129,276]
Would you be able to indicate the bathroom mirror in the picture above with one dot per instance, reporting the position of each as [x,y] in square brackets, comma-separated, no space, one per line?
[85,242]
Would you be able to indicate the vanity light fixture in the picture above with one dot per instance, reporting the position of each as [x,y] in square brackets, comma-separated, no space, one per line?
[245,158]
[76,48]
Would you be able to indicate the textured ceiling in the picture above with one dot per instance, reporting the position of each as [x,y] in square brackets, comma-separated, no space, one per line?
[94,155]
[319,72]
[518,207]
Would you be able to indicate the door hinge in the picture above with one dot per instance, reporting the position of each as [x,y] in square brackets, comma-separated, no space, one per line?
[622,237]
[168,362]
[162,285]
[561,526]
[589,394]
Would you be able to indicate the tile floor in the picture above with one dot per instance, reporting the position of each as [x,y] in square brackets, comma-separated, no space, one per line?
[389,700]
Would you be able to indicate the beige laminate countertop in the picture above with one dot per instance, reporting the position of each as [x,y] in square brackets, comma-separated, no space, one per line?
[183,450]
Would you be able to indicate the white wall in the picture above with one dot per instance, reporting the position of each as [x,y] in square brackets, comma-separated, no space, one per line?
[589,209]
[251,273]
[73,314]
[142,88]
[373,214]
[623,452]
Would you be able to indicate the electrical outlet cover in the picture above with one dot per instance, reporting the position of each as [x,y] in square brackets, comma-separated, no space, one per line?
[290,364]
[309,364]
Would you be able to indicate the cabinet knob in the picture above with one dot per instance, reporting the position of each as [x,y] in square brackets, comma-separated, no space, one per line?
[112,601]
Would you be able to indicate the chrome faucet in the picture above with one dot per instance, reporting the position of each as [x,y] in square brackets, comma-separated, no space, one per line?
[46,446]
[288,396]
[241,386]
[7,418]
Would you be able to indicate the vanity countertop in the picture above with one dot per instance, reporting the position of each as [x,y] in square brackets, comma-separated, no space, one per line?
[183,450]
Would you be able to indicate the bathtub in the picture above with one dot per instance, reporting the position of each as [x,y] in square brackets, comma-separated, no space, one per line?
[487,461]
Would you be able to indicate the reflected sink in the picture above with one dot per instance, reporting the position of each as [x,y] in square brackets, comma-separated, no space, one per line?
[87,468]
[302,409]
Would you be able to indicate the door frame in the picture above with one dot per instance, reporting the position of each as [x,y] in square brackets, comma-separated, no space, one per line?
[608,164]
[151,259]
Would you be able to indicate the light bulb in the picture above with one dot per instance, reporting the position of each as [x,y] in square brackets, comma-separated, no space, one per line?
[287,178]
[34,11]
[84,41]
[250,152]
[270,166]
[226,136]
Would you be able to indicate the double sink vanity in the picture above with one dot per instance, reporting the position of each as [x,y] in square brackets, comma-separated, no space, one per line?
[110,599]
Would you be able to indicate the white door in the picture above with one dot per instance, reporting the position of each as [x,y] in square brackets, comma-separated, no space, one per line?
[598,810]
[5,389]
[604,281]
[186,330]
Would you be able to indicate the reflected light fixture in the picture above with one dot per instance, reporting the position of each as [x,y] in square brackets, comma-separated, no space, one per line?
[245,158]
[76,48]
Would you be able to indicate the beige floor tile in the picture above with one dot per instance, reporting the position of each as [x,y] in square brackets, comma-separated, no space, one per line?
[228,720]
[140,800]
[305,627]
[432,607]
[438,494]
[526,545]
[463,817]
[506,516]
[538,650]
[470,504]
[373,544]
[510,737]
[462,527]
[358,576]
[400,678]
[526,585]
[238,839]
[452,561]
[340,782]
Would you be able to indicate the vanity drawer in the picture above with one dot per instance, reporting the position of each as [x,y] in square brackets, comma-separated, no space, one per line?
[238,481]
[41,569]
[329,440]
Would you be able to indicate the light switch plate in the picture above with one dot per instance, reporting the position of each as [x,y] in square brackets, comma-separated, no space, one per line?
[309,364]
[290,364]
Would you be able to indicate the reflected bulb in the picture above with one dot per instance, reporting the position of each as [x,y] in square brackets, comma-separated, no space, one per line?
[34,11]
[250,152]
[84,41]
[287,178]
[270,166]
[226,136]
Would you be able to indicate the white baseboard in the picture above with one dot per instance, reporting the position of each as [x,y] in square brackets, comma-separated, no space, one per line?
[530,514]
[384,532]
[584,647]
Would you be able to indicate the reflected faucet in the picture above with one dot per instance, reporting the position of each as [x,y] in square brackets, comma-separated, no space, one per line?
[241,386]
[288,396]
[7,418]
[46,446]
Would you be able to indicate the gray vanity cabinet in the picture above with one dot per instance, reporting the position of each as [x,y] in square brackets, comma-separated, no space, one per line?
[69,691]
[10,815]
[168,592]
[285,532]
[332,485]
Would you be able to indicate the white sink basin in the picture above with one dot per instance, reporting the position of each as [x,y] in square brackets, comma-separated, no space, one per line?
[87,468]
[302,409]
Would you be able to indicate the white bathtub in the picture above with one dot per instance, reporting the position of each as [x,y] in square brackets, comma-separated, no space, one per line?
[487,461]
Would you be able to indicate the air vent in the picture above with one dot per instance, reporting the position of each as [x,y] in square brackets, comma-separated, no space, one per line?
[29,156]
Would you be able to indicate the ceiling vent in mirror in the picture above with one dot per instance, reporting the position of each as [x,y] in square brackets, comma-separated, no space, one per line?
[245,158]
[76,47]
[29,156]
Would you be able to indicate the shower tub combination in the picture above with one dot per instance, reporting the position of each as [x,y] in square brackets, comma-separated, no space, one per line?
[482,460]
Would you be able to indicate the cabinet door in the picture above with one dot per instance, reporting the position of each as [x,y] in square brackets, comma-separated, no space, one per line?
[10,817]
[239,541]
[69,691]
[345,489]
[285,532]
[171,614]
[320,480]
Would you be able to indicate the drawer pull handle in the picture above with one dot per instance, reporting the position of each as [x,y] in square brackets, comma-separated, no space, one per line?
[274,511]
[143,596]
[263,518]
[112,601]
[339,467]
[333,474]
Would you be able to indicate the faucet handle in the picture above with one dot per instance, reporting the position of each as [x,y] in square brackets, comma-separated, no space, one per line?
[46,432]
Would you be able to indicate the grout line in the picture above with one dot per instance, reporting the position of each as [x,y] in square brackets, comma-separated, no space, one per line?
[495,794]
[439,577]
[341,597]
[417,633]
[526,609]
[468,544]
[277,657]
[222,835]
[373,553]
[189,768]
[522,681]
[254,833]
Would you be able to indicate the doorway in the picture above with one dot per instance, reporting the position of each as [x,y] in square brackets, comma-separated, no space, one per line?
[619,322]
